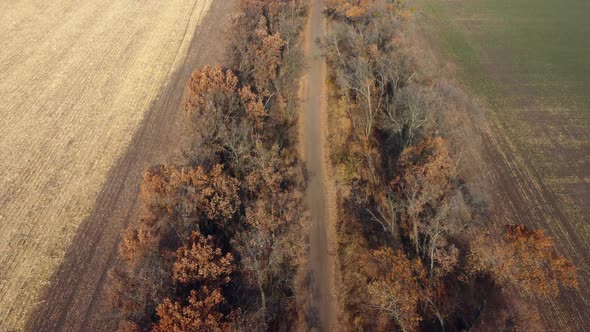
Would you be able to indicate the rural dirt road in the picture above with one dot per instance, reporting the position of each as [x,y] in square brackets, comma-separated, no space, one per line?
[76,298]
[323,311]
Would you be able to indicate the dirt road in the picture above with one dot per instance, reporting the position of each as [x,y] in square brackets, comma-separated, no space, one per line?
[323,311]
[76,298]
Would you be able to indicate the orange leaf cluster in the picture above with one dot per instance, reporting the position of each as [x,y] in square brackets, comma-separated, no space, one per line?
[355,10]
[199,314]
[207,83]
[268,56]
[424,171]
[186,189]
[525,259]
[396,287]
[200,260]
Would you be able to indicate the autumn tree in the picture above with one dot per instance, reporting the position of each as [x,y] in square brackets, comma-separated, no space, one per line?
[402,190]
[360,11]
[231,216]
[197,313]
[431,208]
[272,244]
[177,202]
[175,198]
[225,115]
[203,267]
[395,290]
[200,261]
[523,258]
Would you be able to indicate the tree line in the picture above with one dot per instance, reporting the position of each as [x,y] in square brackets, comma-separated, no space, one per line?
[221,240]
[416,249]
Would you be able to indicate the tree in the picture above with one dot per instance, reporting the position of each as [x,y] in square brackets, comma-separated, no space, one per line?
[523,258]
[199,265]
[226,116]
[211,87]
[359,11]
[395,290]
[238,194]
[422,182]
[267,58]
[411,113]
[199,313]
[273,245]
[177,203]
[200,261]
[179,196]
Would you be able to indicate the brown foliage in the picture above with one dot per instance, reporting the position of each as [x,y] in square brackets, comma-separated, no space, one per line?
[175,201]
[191,190]
[423,182]
[395,290]
[359,10]
[525,259]
[198,314]
[267,57]
[239,190]
[200,260]
[226,116]
[200,264]
[209,84]
[423,174]
[392,112]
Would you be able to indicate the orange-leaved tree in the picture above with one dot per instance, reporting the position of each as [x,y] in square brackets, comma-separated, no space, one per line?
[424,189]
[395,289]
[204,269]
[523,258]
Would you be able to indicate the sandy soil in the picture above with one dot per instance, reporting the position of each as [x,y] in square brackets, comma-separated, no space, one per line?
[76,80]
[320,196]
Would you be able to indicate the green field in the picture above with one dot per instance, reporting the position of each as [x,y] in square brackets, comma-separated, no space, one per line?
[527,62]
[546,43]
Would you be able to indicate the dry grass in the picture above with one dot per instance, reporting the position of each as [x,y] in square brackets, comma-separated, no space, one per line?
[76,79]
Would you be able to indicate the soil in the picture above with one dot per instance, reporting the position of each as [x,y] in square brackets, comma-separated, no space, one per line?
[320,196]
[77,298]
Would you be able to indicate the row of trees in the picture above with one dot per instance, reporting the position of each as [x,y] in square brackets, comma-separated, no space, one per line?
[410,235]
[221,239]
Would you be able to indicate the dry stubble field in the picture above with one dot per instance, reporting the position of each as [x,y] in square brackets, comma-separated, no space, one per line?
[76,79]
